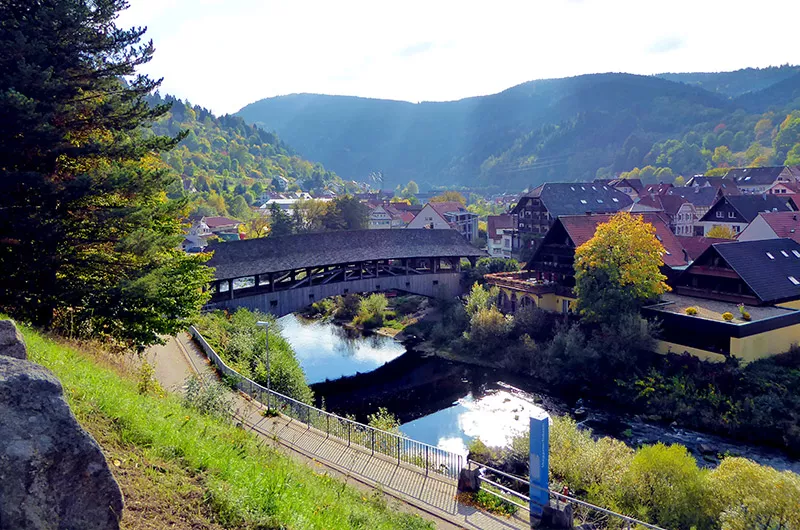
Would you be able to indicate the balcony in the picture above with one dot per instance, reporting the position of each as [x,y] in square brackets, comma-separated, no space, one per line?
[526,281]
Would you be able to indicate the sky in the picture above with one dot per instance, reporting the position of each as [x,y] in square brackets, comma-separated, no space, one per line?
[224,54]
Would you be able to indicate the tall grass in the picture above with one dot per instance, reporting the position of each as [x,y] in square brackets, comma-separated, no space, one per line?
[247,484]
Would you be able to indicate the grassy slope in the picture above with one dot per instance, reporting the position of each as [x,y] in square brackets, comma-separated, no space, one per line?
[209,473]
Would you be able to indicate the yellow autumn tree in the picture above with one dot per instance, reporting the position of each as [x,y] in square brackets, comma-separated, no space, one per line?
[618,269]
[449,196]
[721,232]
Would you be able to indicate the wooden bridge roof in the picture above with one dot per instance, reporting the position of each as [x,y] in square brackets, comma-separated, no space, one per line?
[238,259]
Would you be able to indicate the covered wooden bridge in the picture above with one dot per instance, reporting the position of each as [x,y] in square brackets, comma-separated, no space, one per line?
[284,274]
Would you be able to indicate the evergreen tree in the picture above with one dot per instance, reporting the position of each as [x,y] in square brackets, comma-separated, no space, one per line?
[280,222]
[88,239]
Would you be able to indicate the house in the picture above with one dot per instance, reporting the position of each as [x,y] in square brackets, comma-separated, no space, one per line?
[631,187]
[218,224]
[784,188]
[549,276]
[447,215]
[720,184]
[760,179]
[738,211]
[537,210]
[499,235]
[386,216]
[757,282]
[679,211]
[702,198]
[773,225]
[658,189]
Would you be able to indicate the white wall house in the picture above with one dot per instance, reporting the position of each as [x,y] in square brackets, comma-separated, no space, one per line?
[447,215]
[685,219]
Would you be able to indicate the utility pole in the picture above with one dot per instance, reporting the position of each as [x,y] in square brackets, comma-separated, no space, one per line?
[265,325]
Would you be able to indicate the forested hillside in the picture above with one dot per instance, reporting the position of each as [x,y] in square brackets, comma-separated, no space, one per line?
[575,128]
[225,164]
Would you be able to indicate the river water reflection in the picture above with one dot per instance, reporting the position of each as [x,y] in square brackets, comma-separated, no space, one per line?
[454,410]
[447,404]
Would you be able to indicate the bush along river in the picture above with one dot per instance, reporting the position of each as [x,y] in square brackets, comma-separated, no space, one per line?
[448,404]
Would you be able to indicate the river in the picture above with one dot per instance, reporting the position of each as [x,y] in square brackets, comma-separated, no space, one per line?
[448,404]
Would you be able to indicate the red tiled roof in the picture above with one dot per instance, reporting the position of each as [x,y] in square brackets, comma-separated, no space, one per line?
[581,228]
[445,207]
[784,224]
[495,222]
[696,245]
[216,222]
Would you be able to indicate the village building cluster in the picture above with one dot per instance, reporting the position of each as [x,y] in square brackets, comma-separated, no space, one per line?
[737,296]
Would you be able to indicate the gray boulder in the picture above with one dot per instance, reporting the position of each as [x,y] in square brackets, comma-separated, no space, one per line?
[11,342]
[53,475]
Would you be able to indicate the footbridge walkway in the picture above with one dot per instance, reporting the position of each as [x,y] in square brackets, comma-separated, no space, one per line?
[421,475]
[282,275]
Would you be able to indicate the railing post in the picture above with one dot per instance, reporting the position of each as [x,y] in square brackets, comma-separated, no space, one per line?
[328,426]
[398,450]
[426,460]
[372,431]
[308,418]
[348,434]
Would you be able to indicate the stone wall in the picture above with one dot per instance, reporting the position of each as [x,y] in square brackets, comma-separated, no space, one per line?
[53,474]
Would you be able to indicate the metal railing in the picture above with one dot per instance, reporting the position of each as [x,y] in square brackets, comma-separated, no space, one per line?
[427,457]
[582,512]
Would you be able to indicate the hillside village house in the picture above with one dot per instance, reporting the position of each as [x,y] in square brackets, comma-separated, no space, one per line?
[710,276]
[772,225]
[538,210]
[759,278]
[499,235]
[204,228]
[680,213]
[446,216]
[549,276]
[762,179]
[738,211]
[387,216]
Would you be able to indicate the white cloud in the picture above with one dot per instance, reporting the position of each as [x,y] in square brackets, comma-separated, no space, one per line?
[225,54]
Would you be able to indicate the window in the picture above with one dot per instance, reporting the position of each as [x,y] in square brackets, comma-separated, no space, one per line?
[796,254]
[435,282]
[273,303]
[600,201]
[785,255]
[584,201]
[720,214]
[770,256]
[731,215]
[615,199]
[794,280]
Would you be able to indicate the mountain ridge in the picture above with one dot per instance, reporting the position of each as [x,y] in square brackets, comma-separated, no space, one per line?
[587,119]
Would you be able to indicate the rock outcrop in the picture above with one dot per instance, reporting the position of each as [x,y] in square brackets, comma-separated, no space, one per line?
[11,342]
[53,475]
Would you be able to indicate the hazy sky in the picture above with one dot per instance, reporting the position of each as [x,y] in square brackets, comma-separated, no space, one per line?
[224,54]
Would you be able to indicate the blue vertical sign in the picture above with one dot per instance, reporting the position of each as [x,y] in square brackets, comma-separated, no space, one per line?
[540,461]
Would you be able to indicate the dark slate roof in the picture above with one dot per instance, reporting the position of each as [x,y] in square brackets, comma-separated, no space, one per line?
[577,198]
[699,196]
[767,277]
[754,176]
[238,259]
[749,206]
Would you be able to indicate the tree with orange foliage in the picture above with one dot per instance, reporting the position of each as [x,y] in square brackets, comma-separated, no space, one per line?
[450,196]
[619,269]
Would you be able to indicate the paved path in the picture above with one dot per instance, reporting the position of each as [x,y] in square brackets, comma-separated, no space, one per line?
[433,497]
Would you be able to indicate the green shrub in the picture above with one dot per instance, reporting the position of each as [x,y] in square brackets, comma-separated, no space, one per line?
[664,485]
[384,420]
[346,306]
[241,344]
[727,316]
[488,329]
[747,496]
[208,397]
[691,311]
[371,311]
